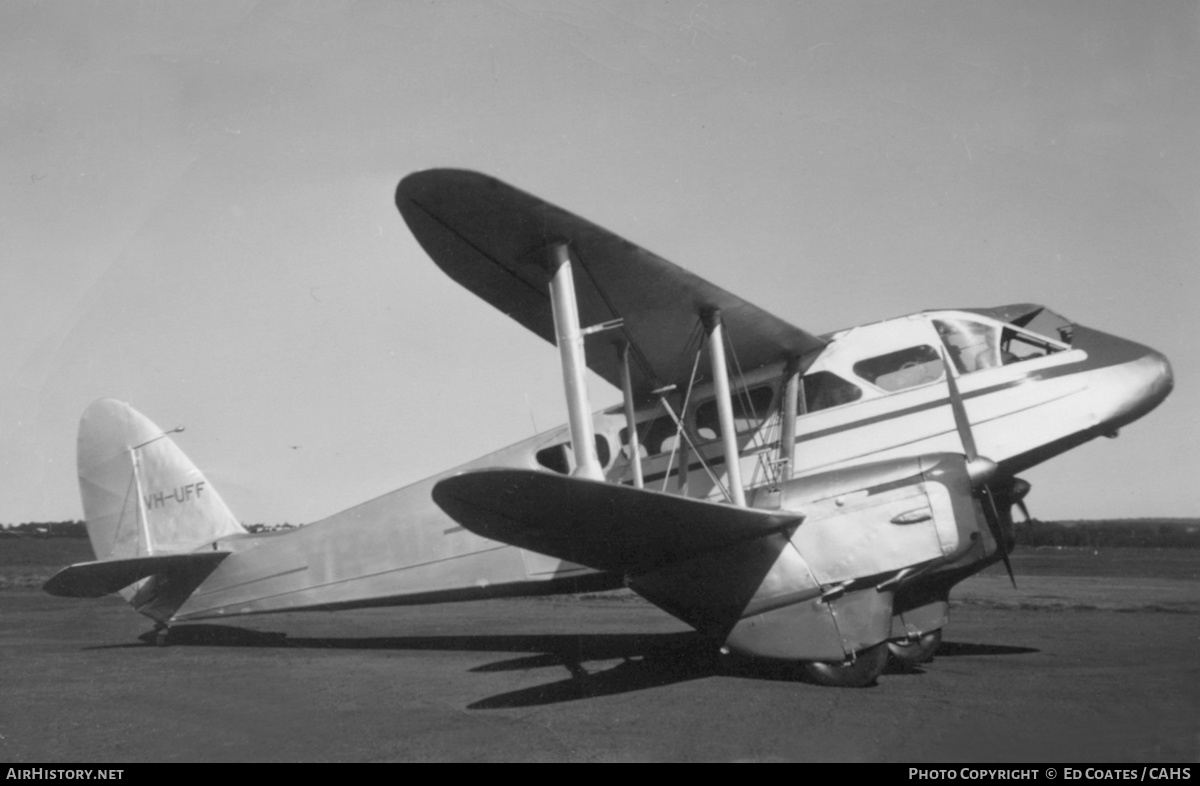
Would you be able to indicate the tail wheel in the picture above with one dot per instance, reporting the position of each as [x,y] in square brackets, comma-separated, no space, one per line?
[858,673]
[910,652]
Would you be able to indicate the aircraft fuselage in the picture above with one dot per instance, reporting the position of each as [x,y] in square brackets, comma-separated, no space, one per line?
[875,393]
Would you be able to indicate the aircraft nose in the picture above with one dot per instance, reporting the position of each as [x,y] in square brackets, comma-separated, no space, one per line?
[1150,380]
[1141,377]
[1161,378]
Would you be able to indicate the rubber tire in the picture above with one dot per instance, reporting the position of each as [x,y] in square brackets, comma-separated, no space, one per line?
[910,653]
[859,673]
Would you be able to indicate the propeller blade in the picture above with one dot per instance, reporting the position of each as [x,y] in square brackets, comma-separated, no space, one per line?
[960,413]
[1020,488]
[981,469]
[992,514]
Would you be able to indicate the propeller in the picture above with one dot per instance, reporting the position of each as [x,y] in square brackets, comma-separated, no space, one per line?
[1014,495]
[1017,493]
[982,471]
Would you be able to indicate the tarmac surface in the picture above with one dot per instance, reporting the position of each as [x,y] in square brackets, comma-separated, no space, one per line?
[1093,659]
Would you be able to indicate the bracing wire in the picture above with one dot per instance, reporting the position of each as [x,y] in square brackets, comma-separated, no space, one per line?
[682,433]
[769,472]
[679,427]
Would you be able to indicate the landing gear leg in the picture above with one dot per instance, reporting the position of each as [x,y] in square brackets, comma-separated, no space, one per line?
[161,634]
[858,673]
[911,652]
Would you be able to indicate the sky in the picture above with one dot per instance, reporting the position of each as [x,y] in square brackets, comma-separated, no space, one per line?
[196,203]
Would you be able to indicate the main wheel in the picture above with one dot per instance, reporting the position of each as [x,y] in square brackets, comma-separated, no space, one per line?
[910,652]
[858,673]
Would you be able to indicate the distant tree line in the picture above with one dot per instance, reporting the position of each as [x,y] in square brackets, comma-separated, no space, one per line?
[46,529]
[77,529]
[261,527]
[1113,533]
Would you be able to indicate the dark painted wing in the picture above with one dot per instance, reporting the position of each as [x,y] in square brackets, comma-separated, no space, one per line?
[601,525]
[491,237]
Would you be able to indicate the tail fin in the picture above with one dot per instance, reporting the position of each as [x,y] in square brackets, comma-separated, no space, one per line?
[141,495]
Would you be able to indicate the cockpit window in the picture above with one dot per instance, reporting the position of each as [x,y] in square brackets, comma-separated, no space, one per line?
[823,390]
[1051,325]
[903,369]
[1016,345]
[974,346]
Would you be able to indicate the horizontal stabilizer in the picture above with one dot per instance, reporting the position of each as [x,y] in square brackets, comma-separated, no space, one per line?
[97,579]
[601,525]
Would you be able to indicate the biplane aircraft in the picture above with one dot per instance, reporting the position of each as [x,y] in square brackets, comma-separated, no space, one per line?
[793,496]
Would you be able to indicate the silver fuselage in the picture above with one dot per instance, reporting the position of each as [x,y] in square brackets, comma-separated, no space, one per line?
[401,548]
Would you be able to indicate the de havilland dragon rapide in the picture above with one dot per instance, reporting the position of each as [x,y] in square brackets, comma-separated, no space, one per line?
[798,497]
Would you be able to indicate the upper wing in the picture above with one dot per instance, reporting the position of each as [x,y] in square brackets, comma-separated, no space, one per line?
[601,525]
[491,237]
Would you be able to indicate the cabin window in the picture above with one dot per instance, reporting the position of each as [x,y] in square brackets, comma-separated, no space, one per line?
[559,458]
[823,390]
[903,369]
[555,458]
[749,410]
[654,436]
[602,450]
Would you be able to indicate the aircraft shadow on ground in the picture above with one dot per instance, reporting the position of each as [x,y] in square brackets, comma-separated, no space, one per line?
[952,649]
[646,660]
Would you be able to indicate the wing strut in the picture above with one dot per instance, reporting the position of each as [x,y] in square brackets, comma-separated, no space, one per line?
[716,347]
[791,403]
[570,347]
[635,454]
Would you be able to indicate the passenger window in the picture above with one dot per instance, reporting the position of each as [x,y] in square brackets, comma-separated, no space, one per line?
[749,410]
[654,436]
[558,457]
[823,390]
[602,450]
[555,458]
[901,370]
